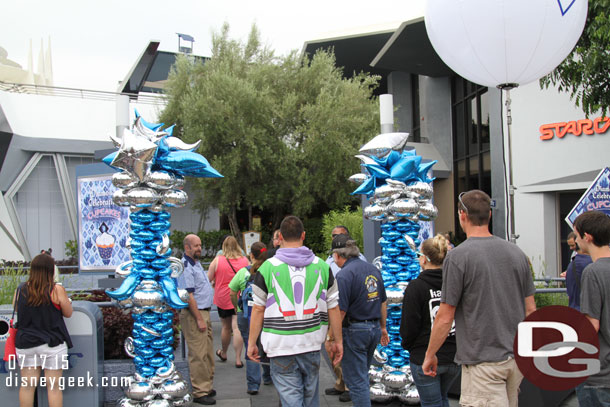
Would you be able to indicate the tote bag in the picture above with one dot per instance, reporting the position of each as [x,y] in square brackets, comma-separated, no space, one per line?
[9,346]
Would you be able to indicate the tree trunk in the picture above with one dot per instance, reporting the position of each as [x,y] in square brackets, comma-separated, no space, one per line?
[249,217]
[233,225]
[277,218]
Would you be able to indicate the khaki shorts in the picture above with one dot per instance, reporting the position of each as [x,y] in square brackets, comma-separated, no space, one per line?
[43,356]
[491,384]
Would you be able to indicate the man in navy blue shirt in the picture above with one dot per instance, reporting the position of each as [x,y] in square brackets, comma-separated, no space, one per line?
[362,301]
[339,388]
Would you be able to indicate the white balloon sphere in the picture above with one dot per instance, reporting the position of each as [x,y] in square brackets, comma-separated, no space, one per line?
[504,41]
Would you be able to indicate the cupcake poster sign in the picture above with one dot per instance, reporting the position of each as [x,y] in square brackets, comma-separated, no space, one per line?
[103,226]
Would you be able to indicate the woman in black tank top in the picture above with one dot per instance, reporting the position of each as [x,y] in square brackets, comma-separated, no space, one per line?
[42,337]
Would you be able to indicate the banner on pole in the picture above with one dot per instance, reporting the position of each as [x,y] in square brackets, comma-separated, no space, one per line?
[596,198]
[103,227]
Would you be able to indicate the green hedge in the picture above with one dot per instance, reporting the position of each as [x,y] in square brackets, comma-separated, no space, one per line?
[545,299]
[11,278]
[313,237]
[346,217]
[210,241]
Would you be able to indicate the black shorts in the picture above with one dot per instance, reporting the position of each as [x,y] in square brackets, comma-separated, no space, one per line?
[225,313]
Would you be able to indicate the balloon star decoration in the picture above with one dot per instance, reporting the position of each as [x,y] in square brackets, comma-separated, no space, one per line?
[399,191]
[154,165]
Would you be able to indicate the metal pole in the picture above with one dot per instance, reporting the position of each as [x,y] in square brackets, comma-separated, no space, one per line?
[511,187]
[122,115]
[386,113]
[371,229]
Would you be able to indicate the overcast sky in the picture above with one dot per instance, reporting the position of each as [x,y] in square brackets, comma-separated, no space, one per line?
[95,43]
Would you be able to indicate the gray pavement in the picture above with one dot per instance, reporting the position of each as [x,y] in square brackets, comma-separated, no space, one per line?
[230,384]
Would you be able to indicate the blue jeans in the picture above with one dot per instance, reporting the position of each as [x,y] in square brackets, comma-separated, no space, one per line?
[296,379]
[433,390]
[593,396]
[253,369]
[359,342]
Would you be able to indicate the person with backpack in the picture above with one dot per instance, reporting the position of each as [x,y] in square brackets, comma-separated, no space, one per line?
[241,297]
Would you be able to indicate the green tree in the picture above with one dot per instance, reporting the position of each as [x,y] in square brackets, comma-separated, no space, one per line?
[585,73]
[282,130]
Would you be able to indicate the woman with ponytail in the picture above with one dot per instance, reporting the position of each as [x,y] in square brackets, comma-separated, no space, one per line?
[421,302]
[240,288]
[42,339]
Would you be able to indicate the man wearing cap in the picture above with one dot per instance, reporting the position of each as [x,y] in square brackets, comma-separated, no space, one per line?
[339,388]
[362,301]
[339,230]
[196,323]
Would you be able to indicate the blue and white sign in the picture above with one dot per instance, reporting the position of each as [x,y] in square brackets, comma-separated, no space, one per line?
[103,226]
[596,198]
[426,230]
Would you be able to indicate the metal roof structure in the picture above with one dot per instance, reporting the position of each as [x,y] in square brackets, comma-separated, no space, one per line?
[150,72]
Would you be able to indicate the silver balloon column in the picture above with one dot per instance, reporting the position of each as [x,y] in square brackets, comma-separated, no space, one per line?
[154,165]
[398,188]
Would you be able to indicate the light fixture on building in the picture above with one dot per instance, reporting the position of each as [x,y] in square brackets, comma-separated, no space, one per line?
[185,43]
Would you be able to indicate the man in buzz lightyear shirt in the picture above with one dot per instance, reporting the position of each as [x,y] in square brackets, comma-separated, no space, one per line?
[295,299]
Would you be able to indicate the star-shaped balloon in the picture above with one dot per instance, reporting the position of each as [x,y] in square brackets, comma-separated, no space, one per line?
[382,144]
[368,187]
[143,130]
[187,163]
[152,126]
[377,171]
[388,160]
[135,154]
[404,167]
[423,169]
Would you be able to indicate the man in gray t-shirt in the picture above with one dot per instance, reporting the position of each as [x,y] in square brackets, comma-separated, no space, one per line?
[488,290]
[593,236]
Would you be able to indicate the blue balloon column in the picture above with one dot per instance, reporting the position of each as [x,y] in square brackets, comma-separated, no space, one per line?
[154,165]
[399,192]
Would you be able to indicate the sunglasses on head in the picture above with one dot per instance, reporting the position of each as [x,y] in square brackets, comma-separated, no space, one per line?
[418,253]
[463,207]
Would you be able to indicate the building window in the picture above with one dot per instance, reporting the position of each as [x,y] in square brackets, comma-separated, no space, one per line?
[416,134]
[471,156]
